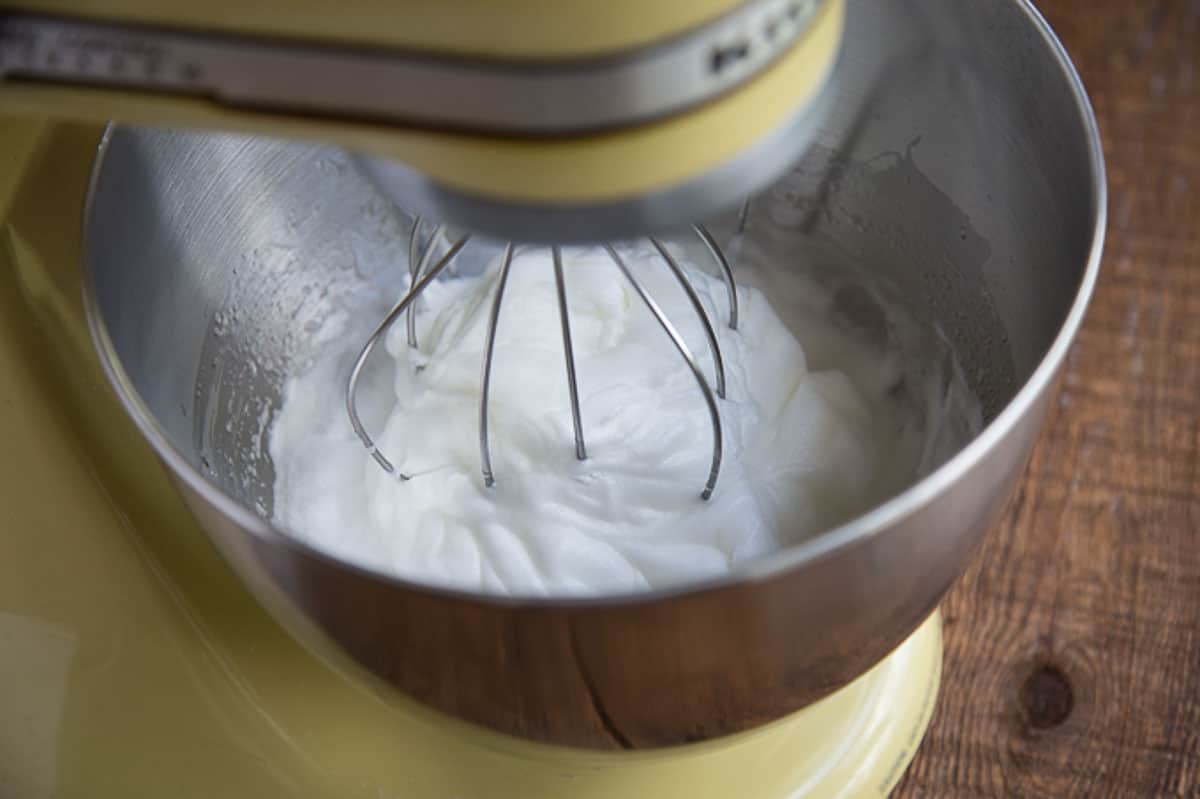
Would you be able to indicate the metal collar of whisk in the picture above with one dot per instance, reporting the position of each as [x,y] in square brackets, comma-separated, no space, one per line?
[422,274]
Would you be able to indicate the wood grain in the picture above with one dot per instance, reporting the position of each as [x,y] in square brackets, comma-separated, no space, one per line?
[1073,642]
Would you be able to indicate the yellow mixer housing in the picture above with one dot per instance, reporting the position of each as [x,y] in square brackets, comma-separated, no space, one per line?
[611,117]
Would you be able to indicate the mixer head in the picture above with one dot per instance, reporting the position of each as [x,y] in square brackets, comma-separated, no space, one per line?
[527,120]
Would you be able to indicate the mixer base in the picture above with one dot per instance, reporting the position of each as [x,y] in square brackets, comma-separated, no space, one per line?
[136,665]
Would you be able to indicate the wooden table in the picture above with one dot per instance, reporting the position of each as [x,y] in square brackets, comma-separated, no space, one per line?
[1073,642]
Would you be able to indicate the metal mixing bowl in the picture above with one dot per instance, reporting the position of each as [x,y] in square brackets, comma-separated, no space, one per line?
[961,166]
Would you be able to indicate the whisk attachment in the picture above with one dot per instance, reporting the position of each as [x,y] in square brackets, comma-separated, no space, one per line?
[422,274]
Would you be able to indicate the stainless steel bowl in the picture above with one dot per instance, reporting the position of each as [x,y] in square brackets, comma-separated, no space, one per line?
[960,166]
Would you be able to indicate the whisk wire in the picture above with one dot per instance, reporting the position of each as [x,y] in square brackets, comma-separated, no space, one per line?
[698,306]
[569,353]
[406,301]
[416,266]
[489,347]
[680,345]
[718,255]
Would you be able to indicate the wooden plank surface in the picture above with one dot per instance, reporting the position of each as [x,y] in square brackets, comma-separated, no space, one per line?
[1073,643]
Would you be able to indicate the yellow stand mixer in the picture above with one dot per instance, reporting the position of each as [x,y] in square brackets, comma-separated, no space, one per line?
[132,659]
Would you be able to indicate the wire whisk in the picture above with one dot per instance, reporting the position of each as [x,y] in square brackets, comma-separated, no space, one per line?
[424,270]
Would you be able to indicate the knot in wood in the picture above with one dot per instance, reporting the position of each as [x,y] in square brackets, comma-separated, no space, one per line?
[1047,697]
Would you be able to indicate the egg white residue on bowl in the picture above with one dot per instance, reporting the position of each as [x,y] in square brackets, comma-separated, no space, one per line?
[804,449]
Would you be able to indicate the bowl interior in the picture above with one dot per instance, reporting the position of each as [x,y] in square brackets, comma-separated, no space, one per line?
[953,177]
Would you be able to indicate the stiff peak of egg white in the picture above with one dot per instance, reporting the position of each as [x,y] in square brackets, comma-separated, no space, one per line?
[801,447]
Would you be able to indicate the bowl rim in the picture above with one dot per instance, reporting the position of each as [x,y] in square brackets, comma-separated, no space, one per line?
[821,546]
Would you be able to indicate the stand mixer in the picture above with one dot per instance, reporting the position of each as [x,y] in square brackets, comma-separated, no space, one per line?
[813,674]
